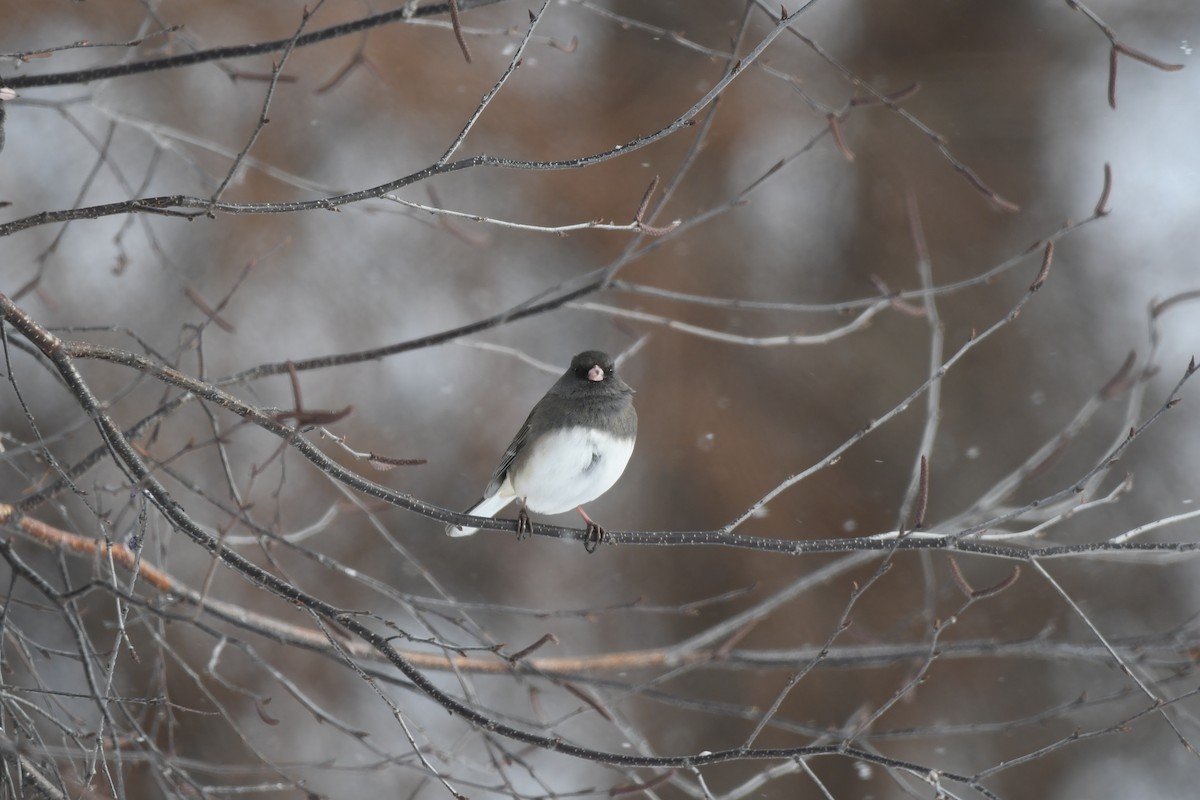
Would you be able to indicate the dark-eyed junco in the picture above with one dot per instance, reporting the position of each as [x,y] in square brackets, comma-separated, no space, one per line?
[572,448]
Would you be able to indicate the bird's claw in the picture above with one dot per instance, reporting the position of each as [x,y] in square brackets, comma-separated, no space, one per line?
[524,526]
[593,538]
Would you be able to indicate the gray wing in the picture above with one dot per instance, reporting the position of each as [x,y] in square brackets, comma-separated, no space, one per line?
[510,455]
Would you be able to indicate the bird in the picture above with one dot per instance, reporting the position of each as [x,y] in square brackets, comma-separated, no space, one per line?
[572,448]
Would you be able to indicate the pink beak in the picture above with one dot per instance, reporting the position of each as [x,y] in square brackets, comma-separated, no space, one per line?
[595,373]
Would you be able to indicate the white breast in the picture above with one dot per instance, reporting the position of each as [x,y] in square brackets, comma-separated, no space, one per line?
[569,468]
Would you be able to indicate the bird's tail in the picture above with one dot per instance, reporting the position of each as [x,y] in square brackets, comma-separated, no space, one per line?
[487,507]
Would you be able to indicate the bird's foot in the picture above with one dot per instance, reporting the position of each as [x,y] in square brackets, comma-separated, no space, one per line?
[524,526]
[594,535]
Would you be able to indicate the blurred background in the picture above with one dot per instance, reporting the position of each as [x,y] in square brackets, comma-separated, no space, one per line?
[984,126]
